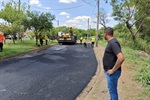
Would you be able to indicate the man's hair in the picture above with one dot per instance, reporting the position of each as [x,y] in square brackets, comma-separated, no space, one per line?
[109,31]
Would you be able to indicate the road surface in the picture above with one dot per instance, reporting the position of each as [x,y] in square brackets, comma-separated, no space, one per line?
[60,72]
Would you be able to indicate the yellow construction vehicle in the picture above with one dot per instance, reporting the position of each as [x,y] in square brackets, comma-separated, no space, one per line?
[69,37]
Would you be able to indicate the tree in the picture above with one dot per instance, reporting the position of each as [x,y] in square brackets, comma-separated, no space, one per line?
[103,18]
[13,13]
[39,22]
[125,11]
[144,30]
[121,28]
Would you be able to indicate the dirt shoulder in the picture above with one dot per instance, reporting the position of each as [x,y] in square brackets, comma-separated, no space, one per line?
[128,88]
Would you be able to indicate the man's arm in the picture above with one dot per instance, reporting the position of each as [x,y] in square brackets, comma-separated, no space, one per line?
[120,59]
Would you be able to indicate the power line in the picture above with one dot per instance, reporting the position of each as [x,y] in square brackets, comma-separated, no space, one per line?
[87,2]
[94,8]
[67,8]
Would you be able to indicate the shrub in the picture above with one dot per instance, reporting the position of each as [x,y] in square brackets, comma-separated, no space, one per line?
[144,75]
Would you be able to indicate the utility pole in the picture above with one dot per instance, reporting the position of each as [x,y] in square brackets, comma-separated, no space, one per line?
[19,5]
[58,23]
[88,29]
[98,13]
[88,23]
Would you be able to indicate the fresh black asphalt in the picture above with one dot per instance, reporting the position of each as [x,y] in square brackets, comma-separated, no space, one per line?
[60,72]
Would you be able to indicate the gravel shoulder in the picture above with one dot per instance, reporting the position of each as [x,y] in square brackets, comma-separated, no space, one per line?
[128,88]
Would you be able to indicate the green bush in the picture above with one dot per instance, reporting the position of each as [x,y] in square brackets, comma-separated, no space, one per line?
[144,75]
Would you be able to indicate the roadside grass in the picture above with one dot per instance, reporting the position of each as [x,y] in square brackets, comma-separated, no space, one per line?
[11,49]
[140,64]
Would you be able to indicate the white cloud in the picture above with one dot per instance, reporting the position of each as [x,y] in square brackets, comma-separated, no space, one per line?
[68,16]
[79,22]
[47,8]
[67,1]
[65,14]
[82,18]
[35,2]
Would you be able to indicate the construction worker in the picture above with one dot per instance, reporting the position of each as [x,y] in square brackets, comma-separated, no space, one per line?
[65,36]
[1,42]
[84,42]
[46,39]
[71,32]
[93,41]
[81,40]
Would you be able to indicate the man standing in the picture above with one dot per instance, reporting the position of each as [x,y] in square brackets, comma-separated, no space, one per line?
[1,42]
[112,61]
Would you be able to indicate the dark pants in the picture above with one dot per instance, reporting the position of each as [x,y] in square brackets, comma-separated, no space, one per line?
[80,41]
[92,44]
[41,41]
[85,45]
[1,47]
[46,41]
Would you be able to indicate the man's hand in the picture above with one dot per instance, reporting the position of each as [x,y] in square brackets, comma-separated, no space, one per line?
[109,72]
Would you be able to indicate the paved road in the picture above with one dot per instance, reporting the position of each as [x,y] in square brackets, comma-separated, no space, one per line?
[58,73]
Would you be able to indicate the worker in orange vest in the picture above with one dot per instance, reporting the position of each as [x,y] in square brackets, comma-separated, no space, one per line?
[65,36]
[1,42]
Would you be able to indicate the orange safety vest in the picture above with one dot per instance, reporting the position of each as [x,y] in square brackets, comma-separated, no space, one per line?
[65,35]
[1,38]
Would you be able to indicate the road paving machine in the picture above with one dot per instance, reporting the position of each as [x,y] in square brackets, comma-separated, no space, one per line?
[69,37]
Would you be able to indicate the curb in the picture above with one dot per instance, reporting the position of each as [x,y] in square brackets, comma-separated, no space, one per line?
[93,81]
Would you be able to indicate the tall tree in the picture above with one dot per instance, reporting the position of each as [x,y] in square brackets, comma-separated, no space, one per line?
[125,11]
[13,13]
[39,22]
[103,17]
[144,30]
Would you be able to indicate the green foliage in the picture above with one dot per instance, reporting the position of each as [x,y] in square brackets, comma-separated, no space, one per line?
[13,13]
[125,39]
[30,34]
[100,34]
[11,49]
[144,75]
[133,57]
[132,13]
[120,28]
[19,19]
[144,31]
[39,22]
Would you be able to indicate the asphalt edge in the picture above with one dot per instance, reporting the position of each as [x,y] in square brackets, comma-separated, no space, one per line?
[93,81]
[28,52]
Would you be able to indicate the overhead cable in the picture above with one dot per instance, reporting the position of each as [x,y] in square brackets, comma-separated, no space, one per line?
[69,8]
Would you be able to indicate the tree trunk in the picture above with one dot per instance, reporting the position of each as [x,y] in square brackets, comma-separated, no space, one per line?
[36,39]
[14,36]
[130,30]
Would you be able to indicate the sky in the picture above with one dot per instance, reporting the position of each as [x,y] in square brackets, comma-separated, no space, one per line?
[71,13]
